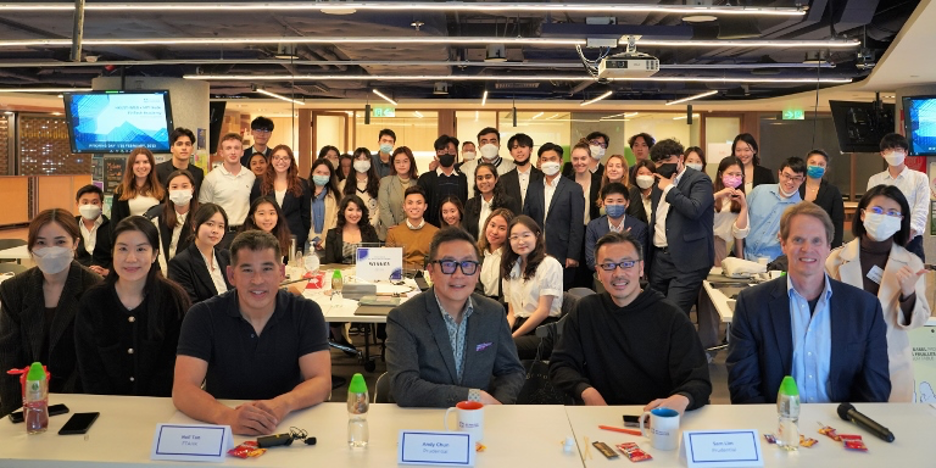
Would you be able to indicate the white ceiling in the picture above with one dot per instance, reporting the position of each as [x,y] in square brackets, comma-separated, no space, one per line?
[908,61]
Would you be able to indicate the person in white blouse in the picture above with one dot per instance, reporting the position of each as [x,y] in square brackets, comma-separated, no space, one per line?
[140,189]
[532,284]
[365,183]
[172,218]
[914,185]
[201,269]
[492,243]
[731,211]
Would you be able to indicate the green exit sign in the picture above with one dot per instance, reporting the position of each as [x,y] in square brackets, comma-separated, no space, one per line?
[384,112]
[793,115]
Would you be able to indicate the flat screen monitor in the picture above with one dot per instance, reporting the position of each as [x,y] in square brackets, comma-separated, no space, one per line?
[861,125]
[118,121]
[920,123]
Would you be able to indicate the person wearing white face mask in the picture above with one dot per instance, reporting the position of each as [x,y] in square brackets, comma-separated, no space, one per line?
[171,218]
[640,188]
[364,182]
[878,262]
[766,204]
[597,147]
[557,204]
[38,307]
[94,249]
[913,184]
[488,151]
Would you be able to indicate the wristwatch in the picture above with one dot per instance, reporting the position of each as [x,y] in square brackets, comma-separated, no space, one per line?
[474,394]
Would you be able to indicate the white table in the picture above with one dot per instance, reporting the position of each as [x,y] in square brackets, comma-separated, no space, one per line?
[20,252]
[912,425]
[515,436]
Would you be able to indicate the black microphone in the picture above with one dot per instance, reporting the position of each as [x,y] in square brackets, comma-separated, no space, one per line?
[848,412]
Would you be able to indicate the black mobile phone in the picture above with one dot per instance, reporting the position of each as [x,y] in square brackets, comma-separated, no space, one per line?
[421,283]
[79,423]
[54,410]
[631,420]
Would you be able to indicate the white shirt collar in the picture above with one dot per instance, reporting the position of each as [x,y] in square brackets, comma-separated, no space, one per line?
[554,183]
[416,228]
[441,173]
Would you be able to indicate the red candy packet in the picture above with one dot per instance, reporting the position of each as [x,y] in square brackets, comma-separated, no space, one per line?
[633,452]
[248,449]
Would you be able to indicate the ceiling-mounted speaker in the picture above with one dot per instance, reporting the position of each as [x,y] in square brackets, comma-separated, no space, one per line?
[496,53]
[367,114]
[286,52]
[440,88]
[738,28]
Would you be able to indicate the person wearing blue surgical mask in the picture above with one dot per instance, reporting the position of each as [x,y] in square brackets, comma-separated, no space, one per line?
[878,262]
[821,192]
[614,198]
[325,198]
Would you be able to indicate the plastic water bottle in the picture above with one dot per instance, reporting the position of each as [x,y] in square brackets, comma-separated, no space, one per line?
[36,400]
[358,433]
[337,283]
[788,409]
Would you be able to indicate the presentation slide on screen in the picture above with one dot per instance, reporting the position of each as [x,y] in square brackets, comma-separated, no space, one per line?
[922,116]
[110,123]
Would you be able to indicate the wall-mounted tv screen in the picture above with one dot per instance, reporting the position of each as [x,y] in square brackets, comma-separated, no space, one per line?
[118,121]
[920,123]
[861,125]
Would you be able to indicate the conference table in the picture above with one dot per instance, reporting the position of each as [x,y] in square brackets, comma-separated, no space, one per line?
[514,435]
[20,252]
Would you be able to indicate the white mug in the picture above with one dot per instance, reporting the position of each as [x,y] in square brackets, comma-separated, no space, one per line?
[664,428]
[470,415]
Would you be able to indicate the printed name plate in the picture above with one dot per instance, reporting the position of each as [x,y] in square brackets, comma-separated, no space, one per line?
[379,264]
[722,449]
[191,442]
[436,448]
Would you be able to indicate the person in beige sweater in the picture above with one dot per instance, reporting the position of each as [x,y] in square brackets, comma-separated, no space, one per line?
[414,234]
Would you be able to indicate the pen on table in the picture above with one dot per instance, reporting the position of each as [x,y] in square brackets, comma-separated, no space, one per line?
[621,429]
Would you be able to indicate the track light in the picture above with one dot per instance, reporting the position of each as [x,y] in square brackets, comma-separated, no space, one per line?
[484,98]
[694,97]
[384,96]
[279,96]
[525,78]
[592,101]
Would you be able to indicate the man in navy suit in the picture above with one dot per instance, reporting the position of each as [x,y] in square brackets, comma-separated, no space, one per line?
[614,197]
[828,335]
[557,204]
[682,246]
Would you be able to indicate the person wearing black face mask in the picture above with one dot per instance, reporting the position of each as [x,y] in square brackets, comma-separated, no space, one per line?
[681,223]
[444,181]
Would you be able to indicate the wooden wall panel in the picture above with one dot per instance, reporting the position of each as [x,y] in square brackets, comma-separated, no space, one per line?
[14,191]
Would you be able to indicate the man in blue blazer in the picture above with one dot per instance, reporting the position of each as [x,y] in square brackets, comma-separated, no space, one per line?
[614,197]
[448,345]
[828,335]
[682,220]
[557,204]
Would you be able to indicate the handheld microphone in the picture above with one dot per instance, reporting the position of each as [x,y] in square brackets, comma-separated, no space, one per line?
[848,412]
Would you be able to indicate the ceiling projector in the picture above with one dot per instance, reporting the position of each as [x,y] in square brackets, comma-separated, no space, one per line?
[628,65]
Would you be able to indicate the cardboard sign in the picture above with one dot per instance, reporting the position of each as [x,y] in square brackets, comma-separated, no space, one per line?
[191,442]
[436,448]
[722,449]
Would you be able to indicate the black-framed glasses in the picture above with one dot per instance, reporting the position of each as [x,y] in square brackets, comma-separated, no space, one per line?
[468,267]
[610,266]
[598,143]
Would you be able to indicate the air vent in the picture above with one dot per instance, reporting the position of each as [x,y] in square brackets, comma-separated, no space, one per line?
[516,85]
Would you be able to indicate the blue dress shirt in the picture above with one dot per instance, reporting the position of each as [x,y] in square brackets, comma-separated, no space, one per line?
[812,344]
[765,207]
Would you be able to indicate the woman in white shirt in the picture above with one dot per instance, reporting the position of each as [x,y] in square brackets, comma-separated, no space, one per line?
[201,268]
[532,284]
[731,212]
[492,245]
[172,218]
[488,197]
[392,187]
[364,182]
[140,189]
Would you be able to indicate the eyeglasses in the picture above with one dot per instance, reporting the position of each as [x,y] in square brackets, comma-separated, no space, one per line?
[281,159]
[263,130]
[880,211]
[524,236]
[791,178]
[598,143]
[468,267]
[610,266]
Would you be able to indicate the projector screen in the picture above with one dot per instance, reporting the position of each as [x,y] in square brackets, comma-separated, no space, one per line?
[920,121]
[118,121]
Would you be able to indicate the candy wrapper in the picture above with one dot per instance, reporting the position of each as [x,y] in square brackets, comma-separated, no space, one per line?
[829,432]
[771,439]
[806,441]
[633,452]
[853,442]
[248,449]
[479,447]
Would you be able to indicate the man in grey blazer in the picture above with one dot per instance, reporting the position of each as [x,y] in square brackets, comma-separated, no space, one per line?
[448,345]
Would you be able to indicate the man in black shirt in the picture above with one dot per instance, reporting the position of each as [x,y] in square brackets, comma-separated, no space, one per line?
[443,182]
[256,342]
[182,145]
[629,346]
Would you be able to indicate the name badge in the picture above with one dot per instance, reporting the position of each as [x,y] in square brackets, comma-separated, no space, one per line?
[191,442]
[723,449]
[875,274]
[436,448]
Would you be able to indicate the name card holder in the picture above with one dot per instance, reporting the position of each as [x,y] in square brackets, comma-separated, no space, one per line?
[721,449]
[436,448]
[191,442]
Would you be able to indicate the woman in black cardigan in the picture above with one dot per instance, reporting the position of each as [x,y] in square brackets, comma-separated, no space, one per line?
[38,307]
[127,328]
[819,191]
[349,231]
[486,189]
[281,182]
[201,269]
[745,148]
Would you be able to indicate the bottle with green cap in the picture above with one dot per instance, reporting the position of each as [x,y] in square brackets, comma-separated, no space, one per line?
[788,409]
[36,400]
[358,433]
[336,282]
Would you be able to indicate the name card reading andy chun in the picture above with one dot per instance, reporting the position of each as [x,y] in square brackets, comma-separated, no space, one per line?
[191,442]
[379,263]
[436,448]
[722,449]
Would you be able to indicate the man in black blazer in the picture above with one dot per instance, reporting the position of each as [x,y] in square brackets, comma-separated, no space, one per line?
[557,204]
[95,230]
[516,182]
[829,336]
[182,145]
[682,246]
[444,181]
